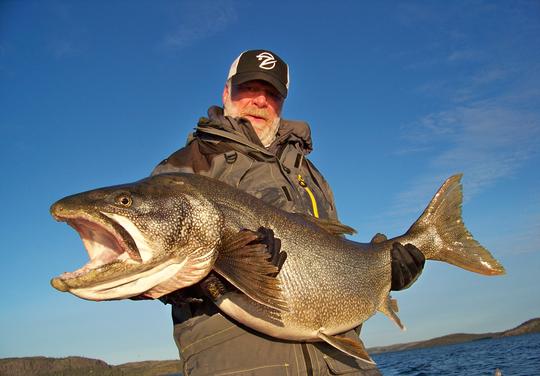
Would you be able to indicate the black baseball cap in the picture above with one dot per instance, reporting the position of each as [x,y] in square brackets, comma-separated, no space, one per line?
[260,65]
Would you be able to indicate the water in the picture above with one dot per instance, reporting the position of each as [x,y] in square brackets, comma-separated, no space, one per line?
[514,356]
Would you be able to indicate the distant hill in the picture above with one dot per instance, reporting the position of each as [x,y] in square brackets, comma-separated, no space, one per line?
[530,326]
[79,366]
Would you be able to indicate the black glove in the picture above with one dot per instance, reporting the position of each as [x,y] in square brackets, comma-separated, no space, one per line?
[273,247]
[177,297]
[213,286]
[407,265]
[182,296]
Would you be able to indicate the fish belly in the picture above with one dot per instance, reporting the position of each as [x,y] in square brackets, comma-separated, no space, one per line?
[321,295]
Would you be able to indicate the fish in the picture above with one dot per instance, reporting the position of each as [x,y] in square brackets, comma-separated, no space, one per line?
[168,232]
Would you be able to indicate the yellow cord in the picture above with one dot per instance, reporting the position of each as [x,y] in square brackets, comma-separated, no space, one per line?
[311,196]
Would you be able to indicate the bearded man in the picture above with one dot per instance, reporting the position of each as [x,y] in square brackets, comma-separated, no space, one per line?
[248,145]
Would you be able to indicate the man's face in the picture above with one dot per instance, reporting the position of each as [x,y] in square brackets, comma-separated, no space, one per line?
[257,101]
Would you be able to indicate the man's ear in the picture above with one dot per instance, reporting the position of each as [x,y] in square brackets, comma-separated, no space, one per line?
[225,94]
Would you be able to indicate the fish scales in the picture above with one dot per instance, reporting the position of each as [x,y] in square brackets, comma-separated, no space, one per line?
[308,255]
[164,233]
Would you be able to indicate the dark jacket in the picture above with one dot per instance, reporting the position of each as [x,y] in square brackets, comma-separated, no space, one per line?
[229,150]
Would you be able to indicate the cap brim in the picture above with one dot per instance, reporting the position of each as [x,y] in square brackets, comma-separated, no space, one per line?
[240,78]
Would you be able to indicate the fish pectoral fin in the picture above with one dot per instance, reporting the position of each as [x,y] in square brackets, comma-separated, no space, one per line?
[389,308]
[244,261]
[330,226]
[349,346]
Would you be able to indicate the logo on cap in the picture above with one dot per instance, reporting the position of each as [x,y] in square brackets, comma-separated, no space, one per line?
[268,61]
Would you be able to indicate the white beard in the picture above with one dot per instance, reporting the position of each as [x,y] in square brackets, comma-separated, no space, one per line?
[266,133]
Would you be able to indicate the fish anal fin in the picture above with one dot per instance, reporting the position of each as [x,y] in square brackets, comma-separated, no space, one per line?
[330,226]
[243,260]
[352,347]
[389,308]
[393,304]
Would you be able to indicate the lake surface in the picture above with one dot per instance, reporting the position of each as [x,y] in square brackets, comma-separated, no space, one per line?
[518,355]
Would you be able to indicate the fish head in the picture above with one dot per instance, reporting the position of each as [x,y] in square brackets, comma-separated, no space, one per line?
[158,231]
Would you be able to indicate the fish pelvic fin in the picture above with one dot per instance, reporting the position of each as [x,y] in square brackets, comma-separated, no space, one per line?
[389,308]
[441,234]
[352,347]
[243,261]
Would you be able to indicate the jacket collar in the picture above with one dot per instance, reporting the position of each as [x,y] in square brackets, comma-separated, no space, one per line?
[293,131]
[289,131]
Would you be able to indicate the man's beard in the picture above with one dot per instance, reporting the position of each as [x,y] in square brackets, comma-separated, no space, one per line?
[267,132]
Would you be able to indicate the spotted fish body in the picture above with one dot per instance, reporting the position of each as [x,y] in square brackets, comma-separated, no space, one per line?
[169,231]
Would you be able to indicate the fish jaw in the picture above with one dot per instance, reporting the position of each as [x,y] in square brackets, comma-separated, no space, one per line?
[161,280]
[111,249]
[127,286]
[116,269]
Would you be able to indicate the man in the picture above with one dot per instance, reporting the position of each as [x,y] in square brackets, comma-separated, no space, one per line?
[249,146]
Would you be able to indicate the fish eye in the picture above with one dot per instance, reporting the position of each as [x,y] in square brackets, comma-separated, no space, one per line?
[124,200]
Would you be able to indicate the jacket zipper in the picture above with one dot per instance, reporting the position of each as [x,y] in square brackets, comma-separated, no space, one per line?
[310,194]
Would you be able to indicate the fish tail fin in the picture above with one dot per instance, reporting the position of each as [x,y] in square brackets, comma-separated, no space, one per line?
[441,234]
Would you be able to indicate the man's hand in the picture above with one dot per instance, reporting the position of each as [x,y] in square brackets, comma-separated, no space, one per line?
[407,265]
[182,296]
[214,287]
[273,247]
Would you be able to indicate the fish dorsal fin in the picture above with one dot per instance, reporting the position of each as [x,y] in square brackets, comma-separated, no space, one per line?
[243,261]
[352,347]
[329,225]
[389,308]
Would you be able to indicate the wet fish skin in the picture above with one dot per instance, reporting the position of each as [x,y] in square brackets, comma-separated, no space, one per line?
[329,284]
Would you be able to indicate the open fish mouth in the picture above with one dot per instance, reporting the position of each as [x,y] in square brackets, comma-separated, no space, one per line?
[112,252]
[105,244]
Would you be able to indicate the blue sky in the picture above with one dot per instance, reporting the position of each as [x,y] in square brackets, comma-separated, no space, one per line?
[399,95]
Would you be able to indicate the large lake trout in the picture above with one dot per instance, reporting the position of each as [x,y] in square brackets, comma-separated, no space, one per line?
[167,232]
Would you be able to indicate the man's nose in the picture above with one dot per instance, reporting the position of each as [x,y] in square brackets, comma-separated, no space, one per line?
[260,99]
